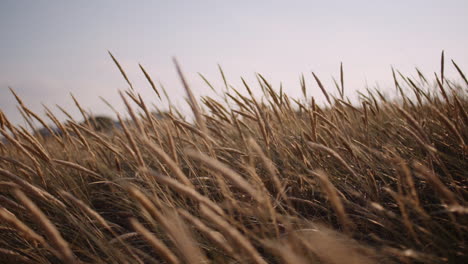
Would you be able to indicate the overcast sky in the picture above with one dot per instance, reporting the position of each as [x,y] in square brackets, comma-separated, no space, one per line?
[51,48]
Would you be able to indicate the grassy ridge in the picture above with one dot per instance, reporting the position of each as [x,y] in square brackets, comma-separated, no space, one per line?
[276,180]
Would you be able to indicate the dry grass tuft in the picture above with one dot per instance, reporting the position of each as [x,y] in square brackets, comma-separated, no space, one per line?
[270,180]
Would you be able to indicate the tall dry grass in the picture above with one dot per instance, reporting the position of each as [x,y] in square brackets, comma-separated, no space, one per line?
[253,180]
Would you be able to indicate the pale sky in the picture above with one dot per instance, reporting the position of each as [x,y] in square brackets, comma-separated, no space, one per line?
[51,48]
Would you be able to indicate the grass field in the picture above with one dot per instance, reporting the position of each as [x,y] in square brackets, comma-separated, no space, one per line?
[250,180]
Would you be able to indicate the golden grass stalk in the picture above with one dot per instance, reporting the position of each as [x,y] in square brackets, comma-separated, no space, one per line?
[77,167]
[21,227]
[213,235]
[324,119]
[442,90]
[144,201]
[270,167]
[7,202]
[133,145]
[404,213]
[170,163]
[234,235]
[28,112]
[50,230]
[80,136]
[123,237]
[96,216]
[409,255]
[60,126]
[135,119]
[10,256]
[336,156]
[36,145]
[228,172]
[406,173]
[324,91]
[2,119]
[450,126]
[6,185]
[70,118]
[460,72]
[17,144]
[148,77]
[19,164]
[193,102]
[286,251]
[85,208]
[173,225]
[342,80]
[420,140]
[149,117]
[187,191]
[182,237]
[28,119]
[436,183]
[410,119]
[161,249]
[121,70]
[442,62]
[461,109]
[99,139]
[82,111]
[31,189]
[335,200]
[332,247]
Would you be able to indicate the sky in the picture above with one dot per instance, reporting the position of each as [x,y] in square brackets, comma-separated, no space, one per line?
[49,49]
